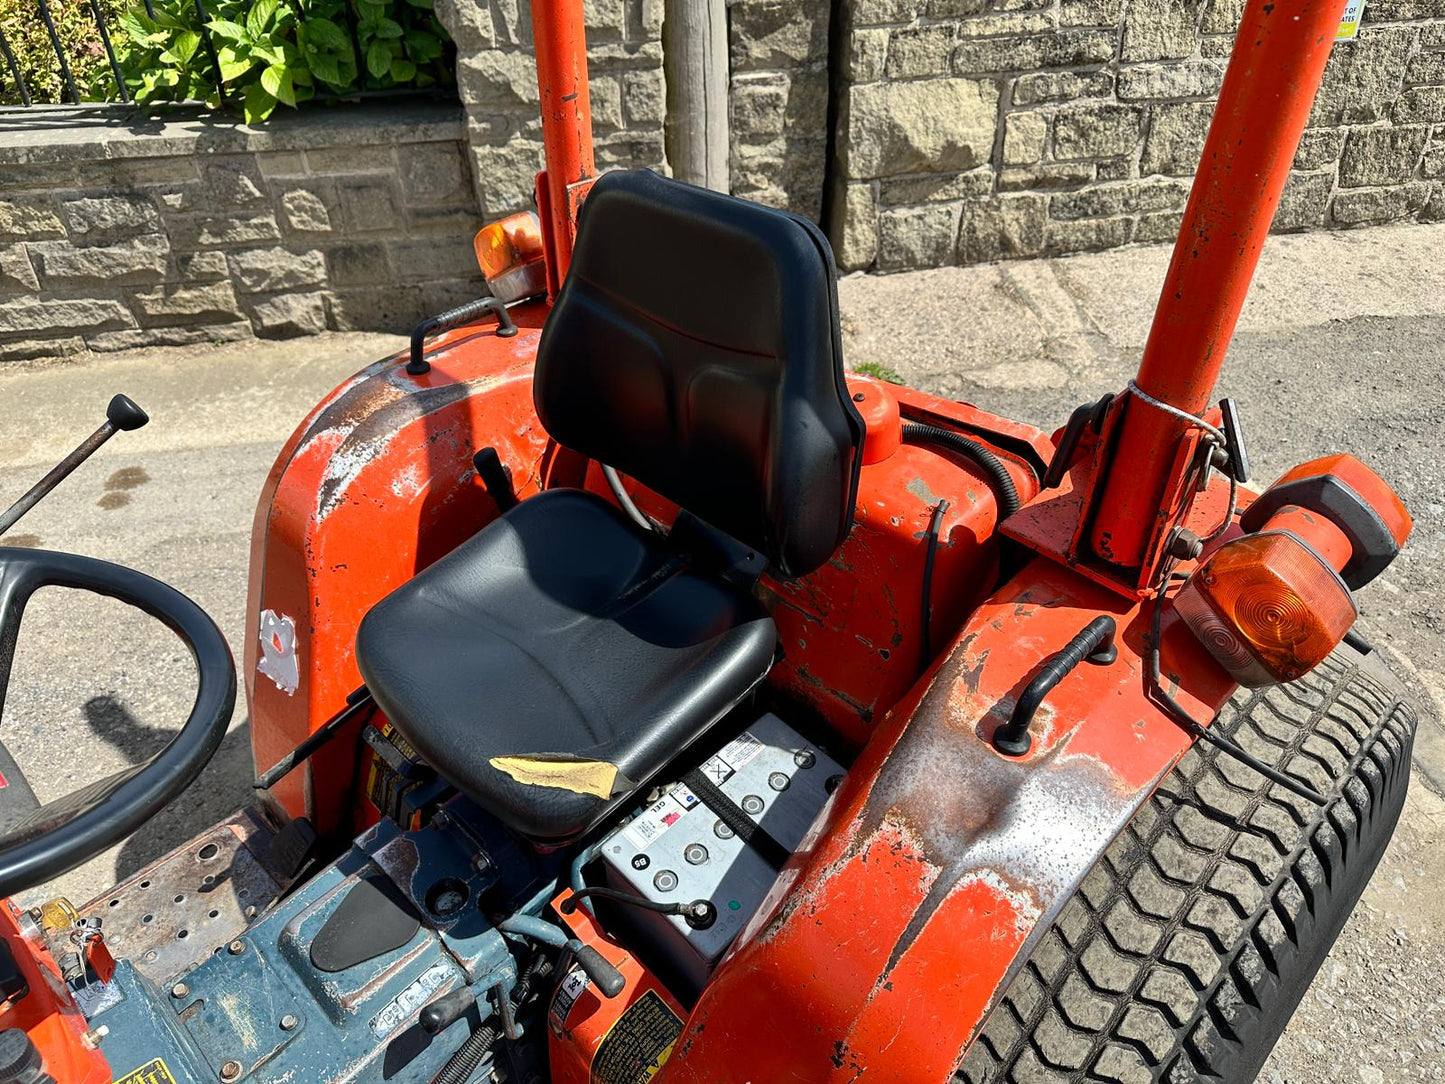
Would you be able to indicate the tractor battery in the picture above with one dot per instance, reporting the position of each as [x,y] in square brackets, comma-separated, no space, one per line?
[398,783]
[680,849]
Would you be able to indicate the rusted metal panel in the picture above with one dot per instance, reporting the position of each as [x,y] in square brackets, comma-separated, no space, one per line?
[884,943]
[175,912]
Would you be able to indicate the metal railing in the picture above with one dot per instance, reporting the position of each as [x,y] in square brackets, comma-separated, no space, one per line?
[17,79]
[73,95]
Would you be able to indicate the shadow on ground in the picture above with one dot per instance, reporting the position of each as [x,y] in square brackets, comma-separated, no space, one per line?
[223,786]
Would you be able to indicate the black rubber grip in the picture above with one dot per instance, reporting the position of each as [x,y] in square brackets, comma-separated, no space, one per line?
[446,1010]
[1095,642]
[603,975]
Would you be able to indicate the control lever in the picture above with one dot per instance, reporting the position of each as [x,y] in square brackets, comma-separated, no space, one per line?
[608,980]
[440,1014]
[121,414]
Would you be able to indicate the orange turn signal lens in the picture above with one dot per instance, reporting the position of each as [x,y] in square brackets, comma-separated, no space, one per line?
[1267,607]
[509,252]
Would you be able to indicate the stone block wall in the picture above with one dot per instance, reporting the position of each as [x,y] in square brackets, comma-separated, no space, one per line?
[116,236]
[974,130]
[779,102]
[497,83]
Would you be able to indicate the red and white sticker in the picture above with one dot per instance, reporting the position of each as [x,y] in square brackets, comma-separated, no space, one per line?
[652,822]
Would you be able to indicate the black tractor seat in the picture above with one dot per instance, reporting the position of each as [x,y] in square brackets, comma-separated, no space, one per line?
[556,662]
[523,662]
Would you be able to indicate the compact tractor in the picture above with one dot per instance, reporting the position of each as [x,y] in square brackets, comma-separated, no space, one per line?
[643,696]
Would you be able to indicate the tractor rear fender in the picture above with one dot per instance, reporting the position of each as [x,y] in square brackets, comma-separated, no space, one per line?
[884,943]
[373,486]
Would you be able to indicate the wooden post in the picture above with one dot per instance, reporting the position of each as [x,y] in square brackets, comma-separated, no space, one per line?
[695,64]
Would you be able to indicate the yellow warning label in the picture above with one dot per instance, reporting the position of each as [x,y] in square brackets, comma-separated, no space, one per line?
[635,1049]
[152,1072]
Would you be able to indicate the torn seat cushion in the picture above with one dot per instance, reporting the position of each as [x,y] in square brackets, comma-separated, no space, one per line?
[559,659]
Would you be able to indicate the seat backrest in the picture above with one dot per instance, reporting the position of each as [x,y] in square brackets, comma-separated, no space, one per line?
[695,346]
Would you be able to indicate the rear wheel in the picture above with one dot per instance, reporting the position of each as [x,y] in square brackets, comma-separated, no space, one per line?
[1185,951]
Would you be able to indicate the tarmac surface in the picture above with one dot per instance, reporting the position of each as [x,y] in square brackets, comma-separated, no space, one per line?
[1341,347]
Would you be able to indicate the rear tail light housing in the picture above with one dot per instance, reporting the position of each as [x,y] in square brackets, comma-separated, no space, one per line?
[509,252]
[1352,497]
[1267,607]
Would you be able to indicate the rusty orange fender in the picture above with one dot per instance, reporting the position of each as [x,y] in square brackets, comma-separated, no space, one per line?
[374,485]
[888,936]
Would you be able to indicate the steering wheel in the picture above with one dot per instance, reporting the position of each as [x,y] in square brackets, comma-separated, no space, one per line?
[62,834]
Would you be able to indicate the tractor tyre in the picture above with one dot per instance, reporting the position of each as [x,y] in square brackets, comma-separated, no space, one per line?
[1185,950]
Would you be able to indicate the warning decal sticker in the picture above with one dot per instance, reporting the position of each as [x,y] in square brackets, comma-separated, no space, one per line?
[637,1047]
[661,815]
[568,991]
[152,1072]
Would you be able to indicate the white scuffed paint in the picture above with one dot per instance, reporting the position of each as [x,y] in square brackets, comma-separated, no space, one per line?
[408,483]
[278,651]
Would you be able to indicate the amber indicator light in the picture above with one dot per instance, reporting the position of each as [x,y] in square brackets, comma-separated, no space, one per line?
[1267,607]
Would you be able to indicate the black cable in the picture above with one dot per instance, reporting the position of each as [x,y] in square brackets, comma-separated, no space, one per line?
[1005,491]
[699,913]
[934,522]
[460,1067]
[1207,733]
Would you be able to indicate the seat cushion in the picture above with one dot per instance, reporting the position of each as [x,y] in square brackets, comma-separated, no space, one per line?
[555,662]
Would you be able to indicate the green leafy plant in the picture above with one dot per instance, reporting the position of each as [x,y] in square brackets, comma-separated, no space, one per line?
[879,371]
[79,39]
[281,52]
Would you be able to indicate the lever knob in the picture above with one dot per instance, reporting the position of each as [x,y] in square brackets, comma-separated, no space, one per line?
[124,414]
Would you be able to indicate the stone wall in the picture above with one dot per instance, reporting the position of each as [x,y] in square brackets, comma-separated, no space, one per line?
[497,82]
[779,60]
[116,234]
[973,130]
[922,132]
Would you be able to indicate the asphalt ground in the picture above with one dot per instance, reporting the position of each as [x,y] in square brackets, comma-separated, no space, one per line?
[1341,347]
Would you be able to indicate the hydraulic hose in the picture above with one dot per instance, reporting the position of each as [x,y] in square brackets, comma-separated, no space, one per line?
[1005,491]
[460,1067]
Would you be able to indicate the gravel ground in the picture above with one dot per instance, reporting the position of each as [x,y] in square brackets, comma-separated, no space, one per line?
[1351,361]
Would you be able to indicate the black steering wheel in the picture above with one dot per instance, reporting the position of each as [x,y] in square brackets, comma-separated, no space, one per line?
[62,834]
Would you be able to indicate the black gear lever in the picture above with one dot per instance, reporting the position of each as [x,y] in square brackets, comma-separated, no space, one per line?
[121,414]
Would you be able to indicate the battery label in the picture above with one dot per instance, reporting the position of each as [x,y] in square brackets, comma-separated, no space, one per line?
[733,756]
[635,1049]
[661,815]
[152,1072]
